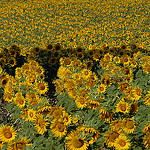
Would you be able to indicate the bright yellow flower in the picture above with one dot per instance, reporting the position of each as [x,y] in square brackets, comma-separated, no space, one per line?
[122,143]
[7,133]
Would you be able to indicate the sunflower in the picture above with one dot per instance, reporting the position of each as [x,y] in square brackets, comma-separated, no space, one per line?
[46,110]
[57,112]
[19,100]
[86,73]
[7,133]
[24,113]
[25,66]
[8,97]
[18,144]
[134,107]
[122,107]
[89,64]
[91,53]
[56,54]
[136,92]
[146,139]
[31,115]
[101,88]
[116,59]
[146,129]
[49,47]
[52,61]
[18,75]
[128,125]
[105,115]
[4,81]
[116,124]
[96,56]
[57,47]
[40,124]
[74,142]
[147,98]
[58,129]
[67,61]
[133,63]
[32,98]
[125,59]
[122,143]
[89,132]
[146,67]
[81,102]
[61,72]
[11,61]
[111,136]
[126,70]
[93,104]
[108,57]
[42,87]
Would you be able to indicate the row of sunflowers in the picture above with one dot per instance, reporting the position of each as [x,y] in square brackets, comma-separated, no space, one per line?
[102,95]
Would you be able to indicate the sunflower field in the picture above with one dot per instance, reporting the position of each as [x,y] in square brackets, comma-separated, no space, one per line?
[74,75]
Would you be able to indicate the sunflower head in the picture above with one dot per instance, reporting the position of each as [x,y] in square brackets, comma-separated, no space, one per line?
[7,133]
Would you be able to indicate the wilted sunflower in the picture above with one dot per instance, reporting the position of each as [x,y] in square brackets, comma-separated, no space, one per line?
[89,132]
[93,104]
[147,98]
[105,115]
[46,110]
[74,142]
[122,143]
[7,133]
[18,144]
[134,107]
[42,87]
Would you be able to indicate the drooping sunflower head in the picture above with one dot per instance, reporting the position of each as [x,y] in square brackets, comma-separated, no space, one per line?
[19,144]
[74,142]
[7,133]
[134,107]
